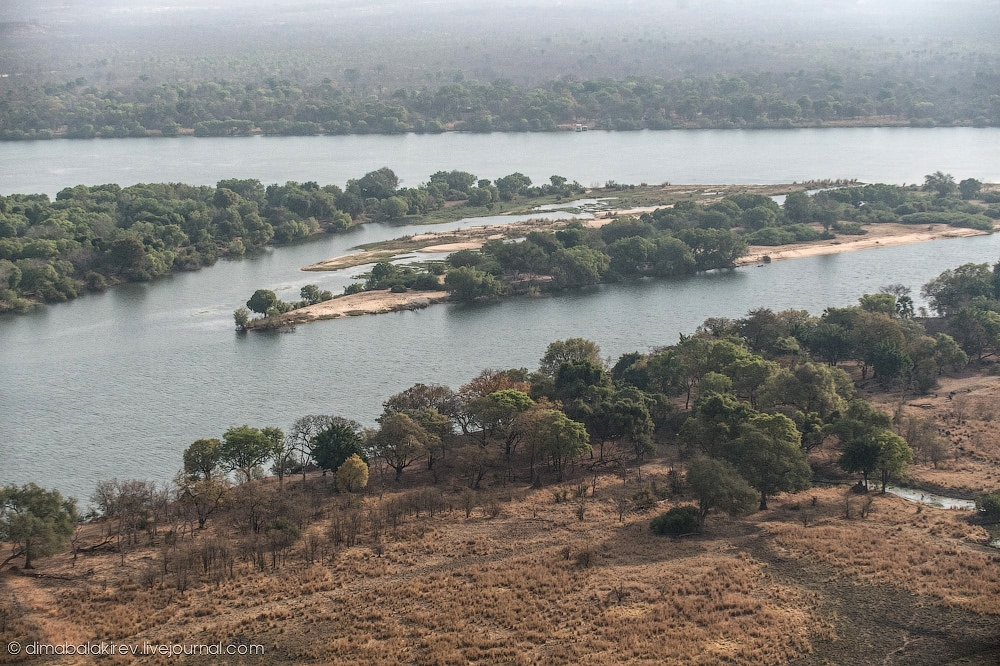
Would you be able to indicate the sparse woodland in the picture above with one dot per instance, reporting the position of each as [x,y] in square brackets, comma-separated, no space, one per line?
[511,519]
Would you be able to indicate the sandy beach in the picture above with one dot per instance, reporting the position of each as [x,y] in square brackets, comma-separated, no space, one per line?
[366,302]
[879,235]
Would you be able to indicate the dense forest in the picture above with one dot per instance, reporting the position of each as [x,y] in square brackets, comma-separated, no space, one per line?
[328,68]
[282,106]
[95,237]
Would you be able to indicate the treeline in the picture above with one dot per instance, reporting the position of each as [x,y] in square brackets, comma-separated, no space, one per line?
[89,238]
[273,105]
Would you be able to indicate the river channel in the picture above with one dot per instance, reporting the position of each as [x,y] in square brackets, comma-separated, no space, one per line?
[118,384]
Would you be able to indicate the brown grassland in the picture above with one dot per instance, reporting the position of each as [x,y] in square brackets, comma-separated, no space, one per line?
[435,573]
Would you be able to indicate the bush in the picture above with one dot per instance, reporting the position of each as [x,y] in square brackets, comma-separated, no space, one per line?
[397,289]
[989,505]
[644,499]
[677,521]
[427,282]
[952,219]
[793,233]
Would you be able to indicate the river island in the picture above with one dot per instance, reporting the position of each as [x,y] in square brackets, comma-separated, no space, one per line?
[657,231]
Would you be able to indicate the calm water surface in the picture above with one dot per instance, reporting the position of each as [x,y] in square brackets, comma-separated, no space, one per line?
[890,155]
[118,384]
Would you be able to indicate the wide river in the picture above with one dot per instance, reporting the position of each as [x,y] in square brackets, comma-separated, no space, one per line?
[118,384]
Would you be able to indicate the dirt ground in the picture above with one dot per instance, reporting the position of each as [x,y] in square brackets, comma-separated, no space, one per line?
[525,578]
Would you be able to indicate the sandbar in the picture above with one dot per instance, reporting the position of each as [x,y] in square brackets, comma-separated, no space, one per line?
[879,235]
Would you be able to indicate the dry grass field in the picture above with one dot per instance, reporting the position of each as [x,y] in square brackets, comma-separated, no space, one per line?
[563,574]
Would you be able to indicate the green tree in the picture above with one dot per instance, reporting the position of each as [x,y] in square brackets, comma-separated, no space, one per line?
[262,301]
[863,431]
[561,438]
[955,288]
[471,284]
[202,458]
[890,361]
[394,208]
[400,441]
[893,457]
[380,184]
[352,475]
[336,442]
[716,484]
[35,522]
[798,208]
[768,454]
[580,265]
[244,449]
[568,351]
[311,294]
[940,182]
[241,316]
[976,330]
[969,188]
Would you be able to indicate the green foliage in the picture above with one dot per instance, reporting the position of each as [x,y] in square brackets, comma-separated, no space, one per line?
[241,316]
[245,449]
[868,443]
[560,438]
[941,183]
[471,284]
[951,218]
[36,522]
[955,288]
[202,458]
[716,484]
[988,506]
[677,521]
[568,351]
[336,443]
[401,441]
[262,301]
[794,233]
[969,188]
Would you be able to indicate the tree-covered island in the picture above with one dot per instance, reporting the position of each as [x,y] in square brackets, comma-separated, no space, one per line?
[688,236]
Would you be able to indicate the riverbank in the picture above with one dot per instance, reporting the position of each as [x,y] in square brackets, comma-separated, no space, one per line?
[878,235]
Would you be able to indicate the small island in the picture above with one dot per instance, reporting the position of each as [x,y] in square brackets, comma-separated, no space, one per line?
[691,229]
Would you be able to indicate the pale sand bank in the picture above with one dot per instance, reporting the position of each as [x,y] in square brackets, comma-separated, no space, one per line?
[366,302]
[879,235]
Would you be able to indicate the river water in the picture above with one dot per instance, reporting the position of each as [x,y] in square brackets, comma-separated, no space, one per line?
[890,155]
[118,384]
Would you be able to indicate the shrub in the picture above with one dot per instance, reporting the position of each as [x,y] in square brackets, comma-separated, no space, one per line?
[677,521]
[352,475]
[644,499]
[989,505]
[426,282]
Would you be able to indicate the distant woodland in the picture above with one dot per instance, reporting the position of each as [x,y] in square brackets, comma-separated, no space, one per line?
[333,68]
